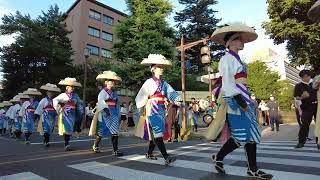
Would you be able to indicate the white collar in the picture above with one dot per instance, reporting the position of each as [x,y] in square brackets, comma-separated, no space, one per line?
[311,80]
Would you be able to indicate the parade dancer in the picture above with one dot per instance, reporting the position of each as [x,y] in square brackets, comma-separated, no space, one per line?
[152,96]
[106,119]
[4,117]
[46,112]
[69,106]
[194,107]
[14,114]
[235,106]
[10,121]
[27,113]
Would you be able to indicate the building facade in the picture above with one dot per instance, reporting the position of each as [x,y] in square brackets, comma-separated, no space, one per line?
[279,64]
[92,25]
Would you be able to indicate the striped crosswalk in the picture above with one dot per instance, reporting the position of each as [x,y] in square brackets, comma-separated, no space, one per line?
[193,162]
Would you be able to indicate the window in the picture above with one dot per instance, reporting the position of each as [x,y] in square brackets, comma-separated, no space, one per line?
[94,15]
[94,50]
[106,53]
[106,36]
[107,19]
[94,32]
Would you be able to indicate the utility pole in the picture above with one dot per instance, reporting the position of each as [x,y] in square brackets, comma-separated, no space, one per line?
[182,48]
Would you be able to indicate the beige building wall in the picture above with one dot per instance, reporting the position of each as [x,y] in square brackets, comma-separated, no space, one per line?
[77,20]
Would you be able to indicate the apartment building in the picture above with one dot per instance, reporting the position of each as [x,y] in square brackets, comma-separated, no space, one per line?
[92,25]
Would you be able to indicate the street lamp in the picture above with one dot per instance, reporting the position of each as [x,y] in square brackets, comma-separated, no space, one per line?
[86,54]
[206,59]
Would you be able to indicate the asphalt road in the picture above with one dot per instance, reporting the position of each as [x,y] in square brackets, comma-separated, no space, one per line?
[20,161]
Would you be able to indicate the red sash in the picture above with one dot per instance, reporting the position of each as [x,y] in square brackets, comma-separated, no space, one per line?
[111,103]
[159,97]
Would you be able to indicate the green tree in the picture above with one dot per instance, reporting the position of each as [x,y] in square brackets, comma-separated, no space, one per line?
[285,97]
[261,81]
[40,54]
[196,22]
[143,32]
[289,23]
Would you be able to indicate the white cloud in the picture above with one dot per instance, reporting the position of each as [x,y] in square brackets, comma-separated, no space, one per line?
[5,40]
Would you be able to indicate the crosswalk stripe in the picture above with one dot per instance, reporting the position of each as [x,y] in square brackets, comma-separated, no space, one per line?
[231,170]
[260,159]
[22,176]
[259,146]
[277,144]
[119,173]
[290,153]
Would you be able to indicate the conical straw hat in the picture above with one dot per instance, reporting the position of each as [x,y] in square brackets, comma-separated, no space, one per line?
[156,59]
[314,12]
[70,82]
[50,87]
[32,92]
[109,75]
[247,33]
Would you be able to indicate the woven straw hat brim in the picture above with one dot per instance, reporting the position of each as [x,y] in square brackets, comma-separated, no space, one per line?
[24,96]
[314,12]
[150,62]
[6,103]
[32,93]
[106,76]
[15,100]
[52,89]
[247,33]
[69,83]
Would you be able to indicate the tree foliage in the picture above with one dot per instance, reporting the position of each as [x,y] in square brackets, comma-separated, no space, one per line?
[261,81]
[285,97]
[289,23]
[196,22]
[145,31]
[40,54]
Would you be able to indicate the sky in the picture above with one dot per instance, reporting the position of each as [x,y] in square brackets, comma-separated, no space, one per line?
[250,12]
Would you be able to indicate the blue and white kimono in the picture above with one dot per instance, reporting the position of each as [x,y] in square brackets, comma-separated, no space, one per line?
[71,109]
[47,115]
[242,125]
[14,114]
[103,125]
[27,113]
[9,120]
[2,118]
[152,95]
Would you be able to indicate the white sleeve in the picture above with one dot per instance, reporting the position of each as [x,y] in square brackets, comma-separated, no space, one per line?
[227,69]
[57,100]
[101,101]
[8,111]
[40,107]
[142,96]
[23,109]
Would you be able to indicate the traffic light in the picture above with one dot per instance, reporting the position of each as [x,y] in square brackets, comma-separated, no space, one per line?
[205,55]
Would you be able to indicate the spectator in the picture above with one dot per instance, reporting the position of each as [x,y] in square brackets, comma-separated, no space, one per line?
[195,110]
[273,113]
[264,111]
[130,115]
[303,91]
[89,115]
[123,117]
[172,121]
